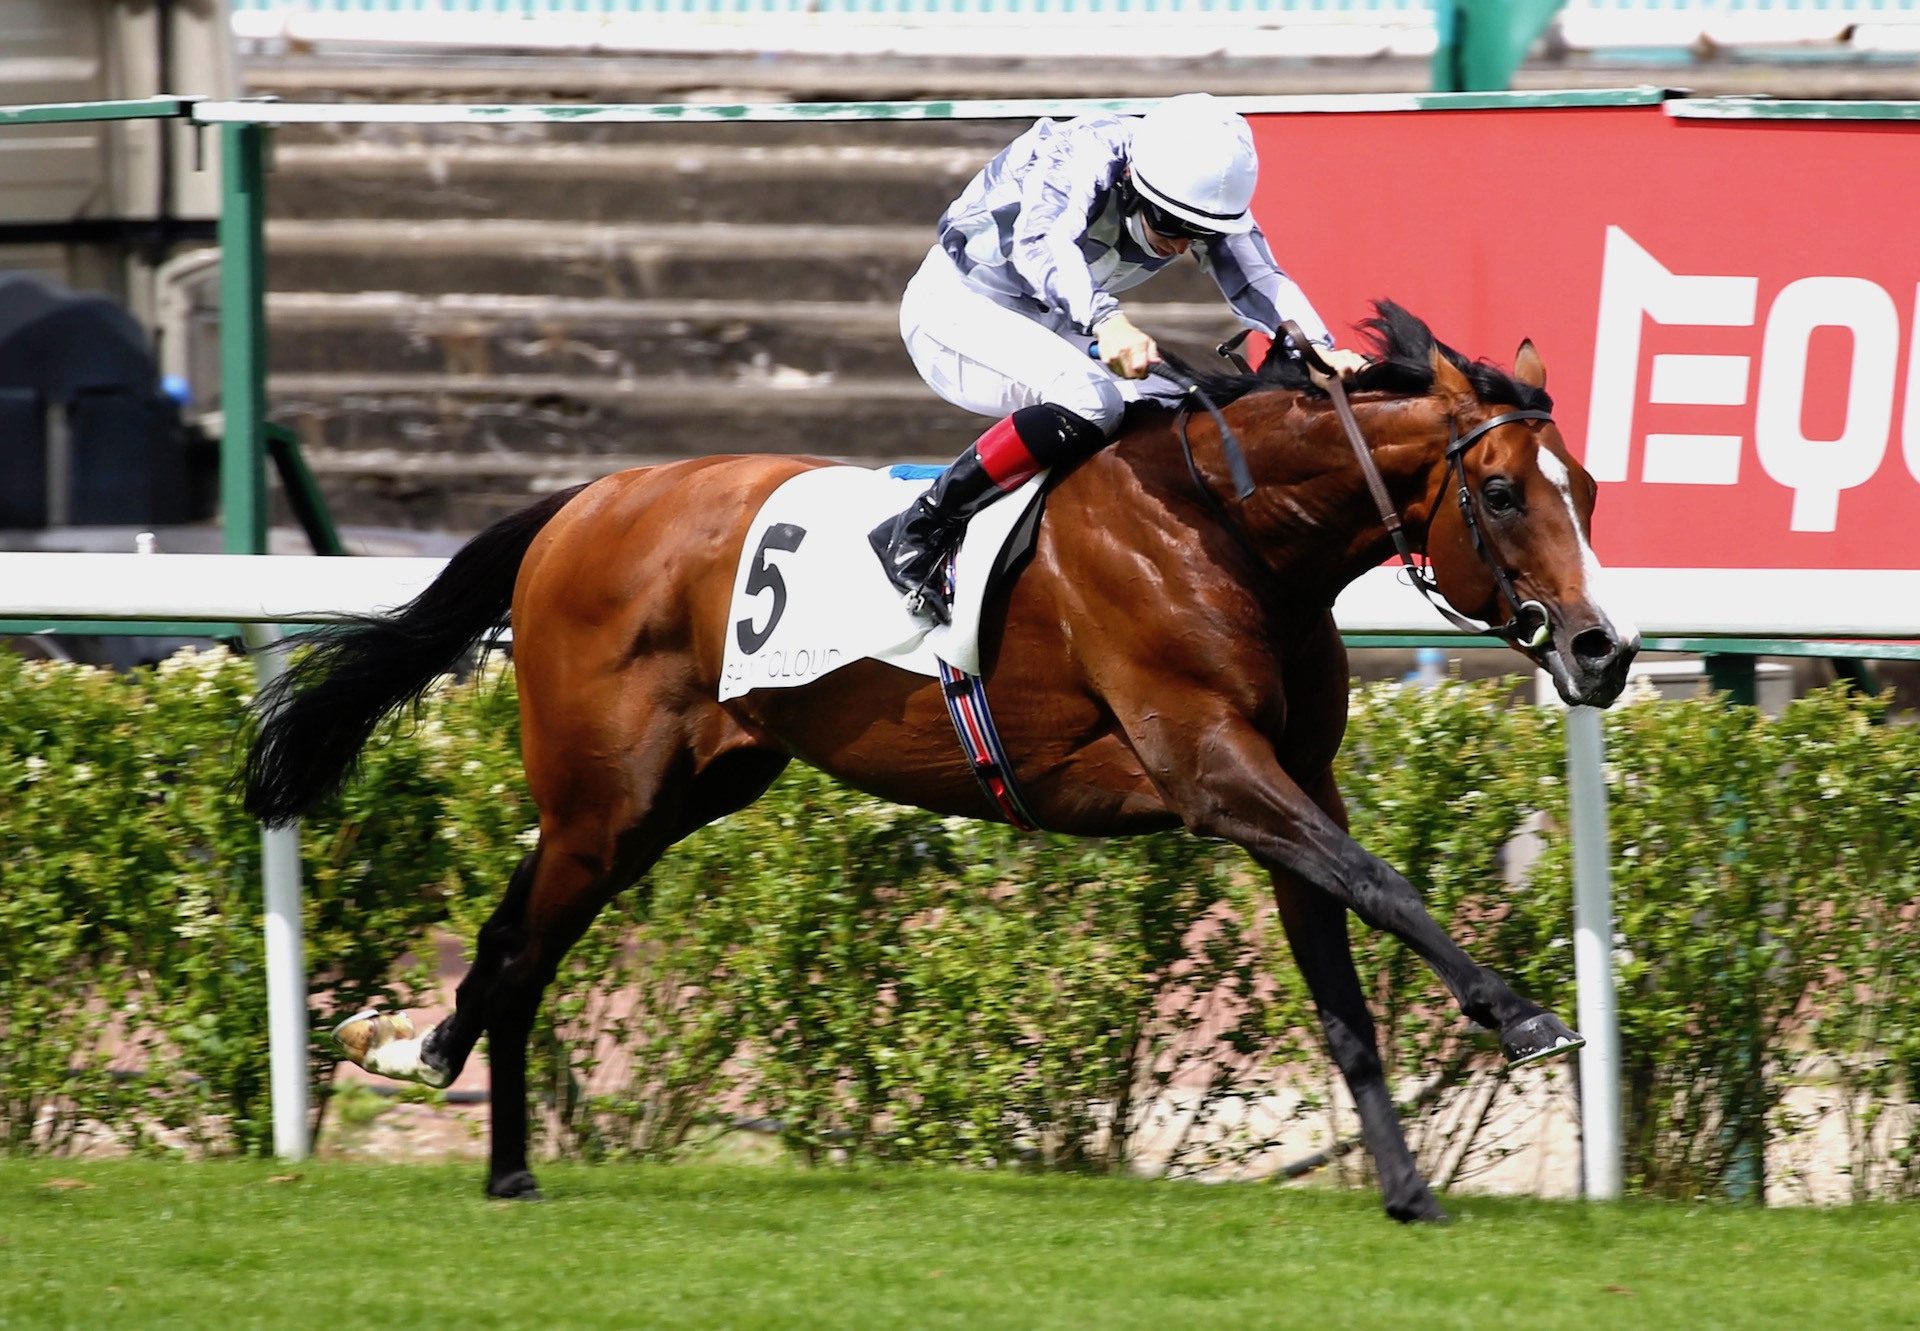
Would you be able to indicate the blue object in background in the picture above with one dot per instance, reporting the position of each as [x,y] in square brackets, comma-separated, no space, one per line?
[1429,668]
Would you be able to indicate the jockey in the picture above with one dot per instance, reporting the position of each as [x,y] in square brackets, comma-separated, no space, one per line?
[1010,308]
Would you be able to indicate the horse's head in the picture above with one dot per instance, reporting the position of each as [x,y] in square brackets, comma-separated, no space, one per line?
[1471,458]
[1508,530]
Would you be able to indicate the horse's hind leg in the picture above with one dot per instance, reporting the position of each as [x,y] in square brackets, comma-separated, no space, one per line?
[605,820]
[1316,929]
[581,864]
[589,851]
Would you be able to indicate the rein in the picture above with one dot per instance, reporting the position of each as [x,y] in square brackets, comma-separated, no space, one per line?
[1172,368]
[1530,626]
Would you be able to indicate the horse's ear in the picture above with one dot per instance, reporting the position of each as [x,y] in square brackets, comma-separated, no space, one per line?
[1528,368]
[1447,379]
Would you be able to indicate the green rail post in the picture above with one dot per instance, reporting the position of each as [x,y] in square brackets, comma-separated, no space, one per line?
[1856,671]
[303,492]
[1481,42]
[1732,675]
[243,338]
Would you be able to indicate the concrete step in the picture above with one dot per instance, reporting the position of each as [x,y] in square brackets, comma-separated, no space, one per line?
[389,75]
[985,137]
[656,261]
[459,503]
[444,76]
[561,417]
[576,79]
[623,183]
[489,335]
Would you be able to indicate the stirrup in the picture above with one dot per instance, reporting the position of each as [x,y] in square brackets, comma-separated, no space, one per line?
[927,601]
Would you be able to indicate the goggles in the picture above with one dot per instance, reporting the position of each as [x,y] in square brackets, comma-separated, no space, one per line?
[1172,225]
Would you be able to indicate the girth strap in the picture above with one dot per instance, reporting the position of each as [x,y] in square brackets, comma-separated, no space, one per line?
[980,744]
[972,719]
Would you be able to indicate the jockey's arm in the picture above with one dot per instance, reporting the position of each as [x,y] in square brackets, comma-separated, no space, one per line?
[1056,196]
[1264,296]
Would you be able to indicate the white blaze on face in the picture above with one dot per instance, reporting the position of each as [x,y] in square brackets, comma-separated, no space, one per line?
[1590,570]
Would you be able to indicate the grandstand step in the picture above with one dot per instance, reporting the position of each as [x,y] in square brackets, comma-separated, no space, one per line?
[712,261]
[817,183]
[546,302]
[451,76]
[490,335]
[369,493]
[563,416]
[984,137]
[388,75]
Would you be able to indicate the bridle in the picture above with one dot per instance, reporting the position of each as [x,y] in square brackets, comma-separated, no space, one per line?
[1530,627]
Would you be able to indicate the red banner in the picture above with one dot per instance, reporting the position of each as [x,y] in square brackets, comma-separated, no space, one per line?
[1727,309]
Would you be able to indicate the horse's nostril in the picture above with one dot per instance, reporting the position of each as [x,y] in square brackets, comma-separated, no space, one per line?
[1595,646]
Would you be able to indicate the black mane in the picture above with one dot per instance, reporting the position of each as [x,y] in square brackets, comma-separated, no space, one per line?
[1401,347]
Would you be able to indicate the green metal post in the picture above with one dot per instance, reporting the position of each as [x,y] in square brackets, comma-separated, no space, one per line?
[1857,672]
[243,338]
[303,493]
[1481,42]
[1732,675]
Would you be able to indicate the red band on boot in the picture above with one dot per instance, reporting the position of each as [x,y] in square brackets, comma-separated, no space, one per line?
[1004,456]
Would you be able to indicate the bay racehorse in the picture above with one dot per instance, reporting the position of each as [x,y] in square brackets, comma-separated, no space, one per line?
[1167,657]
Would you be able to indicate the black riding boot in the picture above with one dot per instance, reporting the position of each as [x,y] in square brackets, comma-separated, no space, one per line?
[913,545]
[1011,451]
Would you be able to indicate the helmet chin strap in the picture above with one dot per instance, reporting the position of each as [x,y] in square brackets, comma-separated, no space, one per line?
[1137,228]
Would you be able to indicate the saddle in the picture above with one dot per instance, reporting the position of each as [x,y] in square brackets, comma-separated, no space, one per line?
[809,597]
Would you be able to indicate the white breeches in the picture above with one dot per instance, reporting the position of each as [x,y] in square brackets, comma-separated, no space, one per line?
[989,359]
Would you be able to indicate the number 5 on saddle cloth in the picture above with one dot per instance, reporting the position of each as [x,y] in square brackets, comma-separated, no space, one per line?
[809,598]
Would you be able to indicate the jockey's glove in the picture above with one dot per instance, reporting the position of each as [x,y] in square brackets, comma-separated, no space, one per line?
[1124,349]
[1348,363]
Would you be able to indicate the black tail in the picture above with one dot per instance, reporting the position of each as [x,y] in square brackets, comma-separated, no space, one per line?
[318,716]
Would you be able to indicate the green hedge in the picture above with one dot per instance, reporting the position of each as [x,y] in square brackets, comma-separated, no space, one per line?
[883,982]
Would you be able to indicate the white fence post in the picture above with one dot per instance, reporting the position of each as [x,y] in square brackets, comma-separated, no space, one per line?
[287,1021]
[1593,957]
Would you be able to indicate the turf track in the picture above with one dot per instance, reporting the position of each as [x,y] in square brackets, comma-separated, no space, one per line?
[152,1244]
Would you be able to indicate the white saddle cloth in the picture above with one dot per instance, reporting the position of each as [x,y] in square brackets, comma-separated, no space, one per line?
[809,595]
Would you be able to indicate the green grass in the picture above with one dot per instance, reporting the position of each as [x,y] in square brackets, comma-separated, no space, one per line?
[157,1244]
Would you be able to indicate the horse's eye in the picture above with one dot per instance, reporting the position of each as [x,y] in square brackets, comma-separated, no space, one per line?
[1500,497]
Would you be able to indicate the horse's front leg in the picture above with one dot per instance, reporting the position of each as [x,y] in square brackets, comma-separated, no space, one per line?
[1317,932]
[1222,777]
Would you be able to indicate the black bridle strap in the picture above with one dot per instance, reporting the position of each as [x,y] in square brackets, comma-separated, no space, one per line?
[1215,505]
[1455,447]
[1171,367]
[1515,628]
[1229,351]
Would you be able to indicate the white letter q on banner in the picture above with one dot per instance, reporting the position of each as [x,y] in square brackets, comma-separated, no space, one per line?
[1817,470]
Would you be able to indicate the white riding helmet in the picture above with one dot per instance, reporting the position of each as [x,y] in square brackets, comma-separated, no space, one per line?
[1194,158]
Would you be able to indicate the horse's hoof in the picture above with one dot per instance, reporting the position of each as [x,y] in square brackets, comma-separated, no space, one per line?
[518,1186]
[1543,1036]
[1421,1210]
[387,1045]
[366,1031]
